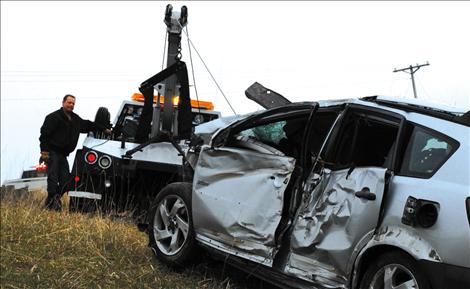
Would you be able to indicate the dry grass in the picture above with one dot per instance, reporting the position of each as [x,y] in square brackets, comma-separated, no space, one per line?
[43,249]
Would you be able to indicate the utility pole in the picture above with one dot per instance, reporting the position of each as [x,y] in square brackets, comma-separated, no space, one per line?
[412,69]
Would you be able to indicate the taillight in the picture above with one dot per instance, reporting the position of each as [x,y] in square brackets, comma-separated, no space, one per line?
[41,167]
[104,162]
[91,157]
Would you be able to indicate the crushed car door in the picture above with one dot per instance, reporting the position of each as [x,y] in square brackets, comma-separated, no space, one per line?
[340,213]
[238,190]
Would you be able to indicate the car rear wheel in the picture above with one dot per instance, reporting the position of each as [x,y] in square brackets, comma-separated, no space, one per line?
[171,233]
[394,270]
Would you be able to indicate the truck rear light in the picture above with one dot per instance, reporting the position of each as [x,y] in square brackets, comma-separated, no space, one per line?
[104,162]
[91,157]
[40,167]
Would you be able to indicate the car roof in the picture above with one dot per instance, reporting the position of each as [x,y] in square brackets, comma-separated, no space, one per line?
[405,106]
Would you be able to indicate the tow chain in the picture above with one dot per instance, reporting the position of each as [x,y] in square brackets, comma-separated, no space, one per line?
[179,54]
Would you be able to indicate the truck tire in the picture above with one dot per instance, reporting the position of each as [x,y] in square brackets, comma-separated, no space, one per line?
[394,269]
[171,232]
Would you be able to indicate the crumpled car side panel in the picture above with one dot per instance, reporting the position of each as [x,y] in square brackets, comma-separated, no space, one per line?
[331,222]
[238,195]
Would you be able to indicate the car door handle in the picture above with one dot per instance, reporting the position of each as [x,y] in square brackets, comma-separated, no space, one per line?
[365,193]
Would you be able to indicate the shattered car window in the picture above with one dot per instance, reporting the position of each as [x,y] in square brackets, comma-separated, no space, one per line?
[426,152]
[269,133]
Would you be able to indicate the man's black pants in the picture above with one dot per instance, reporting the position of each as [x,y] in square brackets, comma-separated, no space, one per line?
[58,179]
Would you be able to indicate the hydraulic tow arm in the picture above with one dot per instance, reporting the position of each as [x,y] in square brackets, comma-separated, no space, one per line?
[155,126]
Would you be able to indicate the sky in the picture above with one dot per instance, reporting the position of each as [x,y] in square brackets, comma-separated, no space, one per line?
[101,52]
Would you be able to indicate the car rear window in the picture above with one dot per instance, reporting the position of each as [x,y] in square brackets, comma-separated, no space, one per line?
[426,152]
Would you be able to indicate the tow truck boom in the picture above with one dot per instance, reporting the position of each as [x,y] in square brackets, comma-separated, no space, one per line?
[170,82]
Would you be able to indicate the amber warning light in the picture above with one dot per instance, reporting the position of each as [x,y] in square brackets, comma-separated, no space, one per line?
[194,103]
[40,167]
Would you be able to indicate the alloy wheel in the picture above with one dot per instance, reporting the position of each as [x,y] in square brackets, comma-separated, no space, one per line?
[394,276]
[171,224]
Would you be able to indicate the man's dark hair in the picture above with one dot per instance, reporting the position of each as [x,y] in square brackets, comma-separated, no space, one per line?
[67,95]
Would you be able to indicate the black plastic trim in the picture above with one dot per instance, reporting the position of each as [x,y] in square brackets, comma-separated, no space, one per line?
[467,205]
[442,114]
[446,276]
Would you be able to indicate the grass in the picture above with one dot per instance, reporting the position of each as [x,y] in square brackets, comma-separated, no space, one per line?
[44,249]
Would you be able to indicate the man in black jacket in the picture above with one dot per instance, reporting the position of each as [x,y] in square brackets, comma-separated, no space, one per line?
[59,137]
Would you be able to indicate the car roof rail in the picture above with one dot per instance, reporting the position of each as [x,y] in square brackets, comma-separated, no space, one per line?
[463,119]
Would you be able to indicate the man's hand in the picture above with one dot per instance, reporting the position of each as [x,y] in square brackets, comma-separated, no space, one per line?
[108,131]
[45,156]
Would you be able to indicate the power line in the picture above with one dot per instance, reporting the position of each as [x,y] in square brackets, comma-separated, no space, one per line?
[68,72]
[65,80]
[412,70]
[210,73]
[425,91]
[55,98]
[192,70]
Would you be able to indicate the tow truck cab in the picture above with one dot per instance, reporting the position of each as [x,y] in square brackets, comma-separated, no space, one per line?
[127,119]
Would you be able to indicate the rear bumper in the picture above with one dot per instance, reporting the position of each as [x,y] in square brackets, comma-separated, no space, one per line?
[86,195]
[445,276]
[85,202]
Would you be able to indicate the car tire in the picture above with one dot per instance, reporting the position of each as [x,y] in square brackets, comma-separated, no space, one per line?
[171,232]
[393,269]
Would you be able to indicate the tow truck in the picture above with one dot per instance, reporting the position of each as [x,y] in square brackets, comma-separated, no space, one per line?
[151,132]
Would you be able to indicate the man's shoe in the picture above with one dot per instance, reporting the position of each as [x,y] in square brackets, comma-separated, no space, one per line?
[53,205]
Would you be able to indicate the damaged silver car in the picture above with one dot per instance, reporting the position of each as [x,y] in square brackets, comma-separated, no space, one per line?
[361,193]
